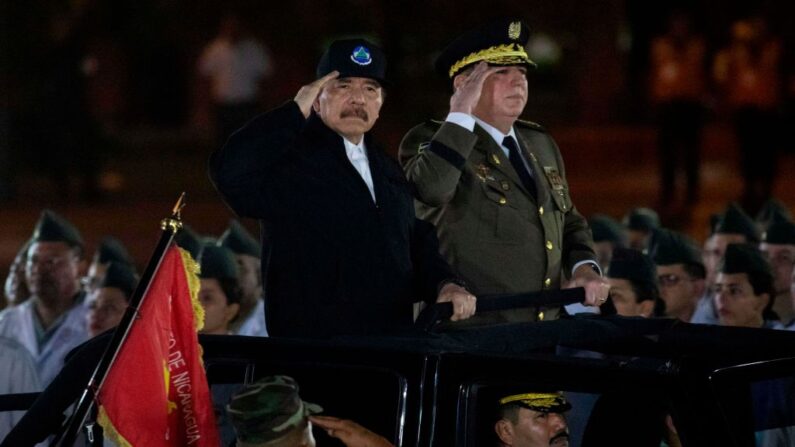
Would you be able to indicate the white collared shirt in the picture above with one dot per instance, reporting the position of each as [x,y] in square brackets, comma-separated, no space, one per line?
[358,157]
[468,122]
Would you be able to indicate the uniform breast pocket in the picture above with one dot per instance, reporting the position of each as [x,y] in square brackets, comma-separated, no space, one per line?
[501,220]
[558,189]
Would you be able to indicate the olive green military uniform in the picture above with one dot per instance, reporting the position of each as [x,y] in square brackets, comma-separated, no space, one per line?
[492,230]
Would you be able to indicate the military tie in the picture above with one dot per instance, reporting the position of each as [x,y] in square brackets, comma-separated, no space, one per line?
[515,156]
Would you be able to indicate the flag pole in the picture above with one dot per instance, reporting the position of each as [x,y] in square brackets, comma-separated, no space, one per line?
[170,226]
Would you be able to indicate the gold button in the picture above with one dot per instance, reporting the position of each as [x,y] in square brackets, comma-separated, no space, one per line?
[503,201]
[547,282]
[549,245]
[541,210]
[541,316]
[495,159]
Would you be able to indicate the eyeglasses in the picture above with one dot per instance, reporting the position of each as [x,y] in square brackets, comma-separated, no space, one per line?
[671,280]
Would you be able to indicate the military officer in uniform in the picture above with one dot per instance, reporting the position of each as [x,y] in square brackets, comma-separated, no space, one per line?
[495,186]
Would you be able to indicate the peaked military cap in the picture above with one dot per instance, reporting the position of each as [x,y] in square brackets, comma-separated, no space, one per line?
[353,58]
[217,262]
[501,42]
[632,265]
[237,239]
[744,258]
[111,249]
[780,231]
[543,402]
[772,210]
[122,277]
[53,228]
[606,229]
[671,247]
[642,219]
[735,221]
[269,409]
[189,240]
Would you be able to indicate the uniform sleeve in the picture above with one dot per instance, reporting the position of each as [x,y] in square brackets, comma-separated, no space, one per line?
[434,158]
[430,268]
[577,238]
[242,168]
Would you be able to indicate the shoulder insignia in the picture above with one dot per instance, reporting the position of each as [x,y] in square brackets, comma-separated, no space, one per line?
[531,125]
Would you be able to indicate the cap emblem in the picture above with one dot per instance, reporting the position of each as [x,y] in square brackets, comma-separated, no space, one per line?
[514,30]
[361,56]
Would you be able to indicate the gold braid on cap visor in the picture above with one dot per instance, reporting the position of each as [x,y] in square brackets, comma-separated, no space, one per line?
[540,400]
[507,54]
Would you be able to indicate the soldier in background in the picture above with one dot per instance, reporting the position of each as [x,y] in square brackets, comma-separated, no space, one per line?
[748,73]
[640,224]
[633,284]
[52,321]
[778,246]
[247,252]
[607,236]
[108,302]
[677,89]
[732,227]
[109,250]
[680,273]
[744,288]
[16,287]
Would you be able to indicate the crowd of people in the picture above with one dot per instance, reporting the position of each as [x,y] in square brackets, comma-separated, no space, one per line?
[478,204]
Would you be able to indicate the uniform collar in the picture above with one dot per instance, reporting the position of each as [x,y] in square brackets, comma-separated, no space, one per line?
[493,132]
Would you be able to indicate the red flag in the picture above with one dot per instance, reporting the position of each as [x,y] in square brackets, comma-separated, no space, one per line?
[156,392]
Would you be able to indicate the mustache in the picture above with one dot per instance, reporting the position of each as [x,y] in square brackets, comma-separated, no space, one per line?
[560,435]
[357,112]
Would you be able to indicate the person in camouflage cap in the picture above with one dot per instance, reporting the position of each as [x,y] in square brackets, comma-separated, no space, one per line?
[270,412]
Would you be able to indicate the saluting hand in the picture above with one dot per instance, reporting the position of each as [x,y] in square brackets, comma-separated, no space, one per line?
[464,303]
[468,88]
[307,94]
[349,432]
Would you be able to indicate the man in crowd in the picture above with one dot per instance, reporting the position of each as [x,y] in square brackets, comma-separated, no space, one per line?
[744,287]
[778,246]
[348,256]
[640,224]
[247,252]
[680,273]
[15,288]
[533,420]
[732,227]
[495,186]
[110,298]
[52,321]
[109,250]
[607,236]
[633,284]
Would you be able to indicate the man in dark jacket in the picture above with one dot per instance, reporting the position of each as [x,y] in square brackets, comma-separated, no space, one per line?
[348,255]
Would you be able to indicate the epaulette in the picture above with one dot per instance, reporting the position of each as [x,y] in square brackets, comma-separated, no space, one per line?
[531,125]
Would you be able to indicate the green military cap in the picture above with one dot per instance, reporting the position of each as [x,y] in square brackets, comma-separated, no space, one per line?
[606,229]
[189,240]
[772,210]
[671,247]
[543,402]
[632,265]
[111,249]
[237,239]
[53,228]
[780,231]
[122,277]
[735,221]
[744,258]
[501,42]
[217,262]
[642,219]
[269,409]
